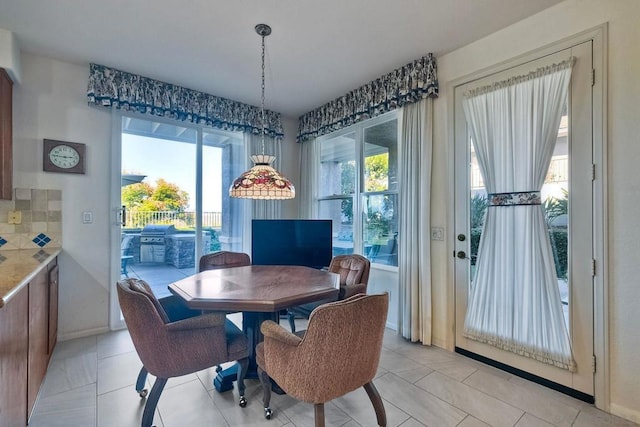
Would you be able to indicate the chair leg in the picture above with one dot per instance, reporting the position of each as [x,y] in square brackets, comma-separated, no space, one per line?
[140,383]
[266,392]
[243,367]
[152,402]
[292,321]
[318,410]
[378,406]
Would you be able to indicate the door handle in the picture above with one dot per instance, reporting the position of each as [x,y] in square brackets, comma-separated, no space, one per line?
[123,216]
[462,255]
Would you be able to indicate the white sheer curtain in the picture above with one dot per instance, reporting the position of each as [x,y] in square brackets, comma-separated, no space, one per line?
[514,302]
[309,177]
[414,250]
[264,209]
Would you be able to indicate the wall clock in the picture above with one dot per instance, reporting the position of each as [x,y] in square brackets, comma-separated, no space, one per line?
[61,156]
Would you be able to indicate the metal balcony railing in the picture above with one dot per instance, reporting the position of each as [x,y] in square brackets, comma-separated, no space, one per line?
[138,219]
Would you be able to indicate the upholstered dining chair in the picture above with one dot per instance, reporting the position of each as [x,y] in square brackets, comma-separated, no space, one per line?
[354,276]
[175,346]
[329,360]
[223,259]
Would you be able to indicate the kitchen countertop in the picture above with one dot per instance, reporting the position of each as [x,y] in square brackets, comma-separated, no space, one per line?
[18,267]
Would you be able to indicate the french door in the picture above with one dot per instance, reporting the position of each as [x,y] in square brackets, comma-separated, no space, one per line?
[567,199]
[170,202]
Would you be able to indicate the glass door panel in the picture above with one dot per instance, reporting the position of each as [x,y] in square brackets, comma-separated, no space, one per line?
[160,214]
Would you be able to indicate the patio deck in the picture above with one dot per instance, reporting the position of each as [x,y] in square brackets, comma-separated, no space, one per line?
[158,275]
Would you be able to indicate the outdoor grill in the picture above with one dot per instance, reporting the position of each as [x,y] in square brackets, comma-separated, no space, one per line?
[153,242]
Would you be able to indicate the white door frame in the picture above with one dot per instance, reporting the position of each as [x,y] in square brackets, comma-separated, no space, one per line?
[115,321]
[599,36]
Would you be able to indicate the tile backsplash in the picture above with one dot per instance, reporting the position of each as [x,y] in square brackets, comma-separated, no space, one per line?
[41,220]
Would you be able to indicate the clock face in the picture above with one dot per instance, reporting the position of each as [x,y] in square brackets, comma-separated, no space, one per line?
[64,157]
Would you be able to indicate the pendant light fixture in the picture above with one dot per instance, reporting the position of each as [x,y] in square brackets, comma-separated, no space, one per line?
[262,181]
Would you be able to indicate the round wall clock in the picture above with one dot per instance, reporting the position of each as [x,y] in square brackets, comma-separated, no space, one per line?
[61,156]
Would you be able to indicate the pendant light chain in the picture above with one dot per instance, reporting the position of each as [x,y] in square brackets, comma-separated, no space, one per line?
[262,98]
[262,181]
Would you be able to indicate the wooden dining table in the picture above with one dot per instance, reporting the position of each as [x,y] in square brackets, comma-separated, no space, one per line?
[260,292]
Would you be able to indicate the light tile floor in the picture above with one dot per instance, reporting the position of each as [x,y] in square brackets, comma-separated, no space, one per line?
[90,382]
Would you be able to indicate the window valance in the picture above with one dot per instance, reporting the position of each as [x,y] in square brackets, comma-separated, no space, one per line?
[110,87]
[405,85]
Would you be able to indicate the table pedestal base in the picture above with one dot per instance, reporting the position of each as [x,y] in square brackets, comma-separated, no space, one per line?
[251,322]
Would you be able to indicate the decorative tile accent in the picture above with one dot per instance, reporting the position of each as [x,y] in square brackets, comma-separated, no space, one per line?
[2,258]
[41,255]
[41,239]
[41,213]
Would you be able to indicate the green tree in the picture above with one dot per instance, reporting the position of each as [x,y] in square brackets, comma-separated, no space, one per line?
[133,195]
[377,172]
[165,196]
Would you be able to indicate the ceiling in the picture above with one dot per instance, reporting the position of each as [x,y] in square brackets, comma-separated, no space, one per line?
[318,50]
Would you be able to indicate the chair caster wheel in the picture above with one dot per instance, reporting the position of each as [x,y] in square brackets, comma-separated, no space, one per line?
[143,393]
[242,402]
[268,413]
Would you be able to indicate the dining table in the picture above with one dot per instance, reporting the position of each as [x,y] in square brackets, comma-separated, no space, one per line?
[260,292]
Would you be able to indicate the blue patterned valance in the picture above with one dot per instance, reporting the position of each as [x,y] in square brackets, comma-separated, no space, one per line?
[405,85]
[114,88]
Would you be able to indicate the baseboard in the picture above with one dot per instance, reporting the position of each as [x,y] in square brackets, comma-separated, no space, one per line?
[390,325]
[441,344]
[83,333]
[626,413]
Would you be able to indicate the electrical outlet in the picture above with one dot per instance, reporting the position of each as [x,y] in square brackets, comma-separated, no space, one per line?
[14,217]
[437,233]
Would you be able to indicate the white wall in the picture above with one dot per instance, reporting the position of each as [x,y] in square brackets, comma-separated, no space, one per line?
[51,103]
[564,20]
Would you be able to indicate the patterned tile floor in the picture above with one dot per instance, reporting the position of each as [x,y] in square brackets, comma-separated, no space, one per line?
[90,382]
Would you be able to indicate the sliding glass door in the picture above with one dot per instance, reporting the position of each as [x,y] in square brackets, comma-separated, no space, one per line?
[171,204]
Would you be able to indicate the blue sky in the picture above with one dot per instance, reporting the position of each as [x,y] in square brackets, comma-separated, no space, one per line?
[174,162]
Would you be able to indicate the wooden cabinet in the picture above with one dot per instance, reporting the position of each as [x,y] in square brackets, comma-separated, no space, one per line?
[38,334]
[28,334]
[53,305]
[6,136]
[14,353]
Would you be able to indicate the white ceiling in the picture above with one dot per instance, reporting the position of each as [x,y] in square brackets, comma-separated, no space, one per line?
[318,50]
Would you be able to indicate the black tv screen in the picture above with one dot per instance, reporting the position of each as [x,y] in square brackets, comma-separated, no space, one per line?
[303,242]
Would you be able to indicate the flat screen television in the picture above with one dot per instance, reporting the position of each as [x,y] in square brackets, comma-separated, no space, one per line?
[303,242]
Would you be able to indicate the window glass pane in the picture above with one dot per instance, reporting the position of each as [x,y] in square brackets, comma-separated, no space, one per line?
[340,211]
[380,157]
[338,166]
[380,228]
[223,160]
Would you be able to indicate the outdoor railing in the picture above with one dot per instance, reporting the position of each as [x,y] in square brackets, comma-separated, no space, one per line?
[138,219]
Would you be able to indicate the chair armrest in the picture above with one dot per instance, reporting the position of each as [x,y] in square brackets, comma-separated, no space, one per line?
[347,291]
[274,331]
[208,320]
